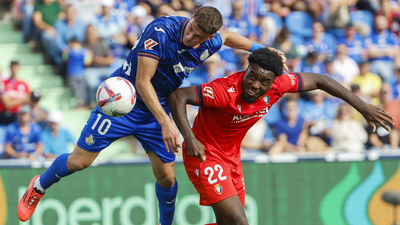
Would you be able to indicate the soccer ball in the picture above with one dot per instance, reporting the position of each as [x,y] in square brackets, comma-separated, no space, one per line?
[116,96]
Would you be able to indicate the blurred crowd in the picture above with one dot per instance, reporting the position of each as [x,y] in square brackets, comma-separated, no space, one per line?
[356,42]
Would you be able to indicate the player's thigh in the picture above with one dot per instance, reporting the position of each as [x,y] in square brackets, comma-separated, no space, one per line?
[212,179]
[101,130]
[150,136]
[163,171]
[230,211]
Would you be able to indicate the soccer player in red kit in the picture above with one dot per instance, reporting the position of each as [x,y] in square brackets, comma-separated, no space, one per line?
[228,108]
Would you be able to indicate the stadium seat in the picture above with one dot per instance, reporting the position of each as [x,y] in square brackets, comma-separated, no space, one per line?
[362,16]
[299,23]
[14,48]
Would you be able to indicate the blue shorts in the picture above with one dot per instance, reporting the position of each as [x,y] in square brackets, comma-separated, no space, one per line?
[101,130]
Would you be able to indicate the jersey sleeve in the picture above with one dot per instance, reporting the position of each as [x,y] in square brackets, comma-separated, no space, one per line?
[215,43]
[289,82]
[153,42]
[212,94]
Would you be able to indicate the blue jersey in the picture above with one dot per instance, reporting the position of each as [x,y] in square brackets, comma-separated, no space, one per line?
[162,40]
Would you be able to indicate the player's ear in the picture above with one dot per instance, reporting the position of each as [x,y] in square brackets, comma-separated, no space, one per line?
[211,36]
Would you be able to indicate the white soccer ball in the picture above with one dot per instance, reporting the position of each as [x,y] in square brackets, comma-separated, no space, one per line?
[116,96]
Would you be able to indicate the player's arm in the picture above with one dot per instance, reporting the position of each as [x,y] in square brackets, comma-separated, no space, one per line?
[145,71]
[238,41]
[370,112]
[177,101]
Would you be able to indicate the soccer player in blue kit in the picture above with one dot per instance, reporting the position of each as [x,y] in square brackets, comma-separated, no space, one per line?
[167,51]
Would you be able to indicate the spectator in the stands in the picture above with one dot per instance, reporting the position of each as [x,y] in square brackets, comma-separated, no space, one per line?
[77,58]
[164,10]
[330,70]
[85,9]
[383,48]
[102,63]
[283,43]
[239,23]
[370,83]
[67,28]
[45,15]
[137,23]
[344,65]
[111,28]
[357,49]
[319,113]
[39,114]
[311,64]
[343,129]
[13,94]
[23,137]
[320,41]
[289,131]
[55,138]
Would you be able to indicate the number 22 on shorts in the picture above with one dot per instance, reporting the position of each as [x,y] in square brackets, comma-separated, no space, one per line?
[210,172]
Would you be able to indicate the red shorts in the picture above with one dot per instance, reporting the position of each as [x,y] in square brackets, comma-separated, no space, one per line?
[214,179]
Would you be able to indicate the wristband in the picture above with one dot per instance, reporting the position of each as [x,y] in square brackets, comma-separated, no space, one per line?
[256,46]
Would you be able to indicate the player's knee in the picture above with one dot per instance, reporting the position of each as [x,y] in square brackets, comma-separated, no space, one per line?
[76,164]
[166,180]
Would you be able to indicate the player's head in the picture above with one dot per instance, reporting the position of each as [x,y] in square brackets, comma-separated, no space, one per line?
[203,25]
[264,66]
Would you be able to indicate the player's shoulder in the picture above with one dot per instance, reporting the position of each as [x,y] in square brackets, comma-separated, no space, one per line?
[168,22]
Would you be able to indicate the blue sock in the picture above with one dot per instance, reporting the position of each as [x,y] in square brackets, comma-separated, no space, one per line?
[166,202]
[55,172]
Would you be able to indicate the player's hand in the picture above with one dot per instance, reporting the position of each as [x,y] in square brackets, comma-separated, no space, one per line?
[170,136]
[282,55]
[196,149]
[376,115]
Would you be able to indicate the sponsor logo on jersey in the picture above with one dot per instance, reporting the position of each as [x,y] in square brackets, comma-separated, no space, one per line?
[232,90]
[208,92]
[180,51]
[204,55]
[159,29]
[218,189]
[89,139]
[243,118]
[292,77]
[149,44]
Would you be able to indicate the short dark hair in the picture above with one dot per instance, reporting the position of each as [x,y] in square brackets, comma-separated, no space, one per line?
[209,19]
[268,60]
[14,62]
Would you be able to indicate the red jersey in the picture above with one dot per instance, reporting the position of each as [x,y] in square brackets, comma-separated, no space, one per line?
[15,89]
[224,117]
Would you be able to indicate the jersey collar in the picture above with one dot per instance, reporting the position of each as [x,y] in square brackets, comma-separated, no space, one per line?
[183,30]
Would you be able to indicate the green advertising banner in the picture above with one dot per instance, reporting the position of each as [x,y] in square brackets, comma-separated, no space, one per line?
[302,193]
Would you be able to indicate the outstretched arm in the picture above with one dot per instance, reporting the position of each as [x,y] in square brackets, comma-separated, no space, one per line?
[370,112]
[237,41]
[177,102]
[145,71]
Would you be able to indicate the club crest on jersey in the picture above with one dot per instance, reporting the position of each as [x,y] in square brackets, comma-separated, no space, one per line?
[266,99]
[149,44]
[89,139]
[218,189]
[204,55]
[208,92]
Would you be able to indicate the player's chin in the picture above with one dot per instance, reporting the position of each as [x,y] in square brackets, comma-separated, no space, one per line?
[249,98]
